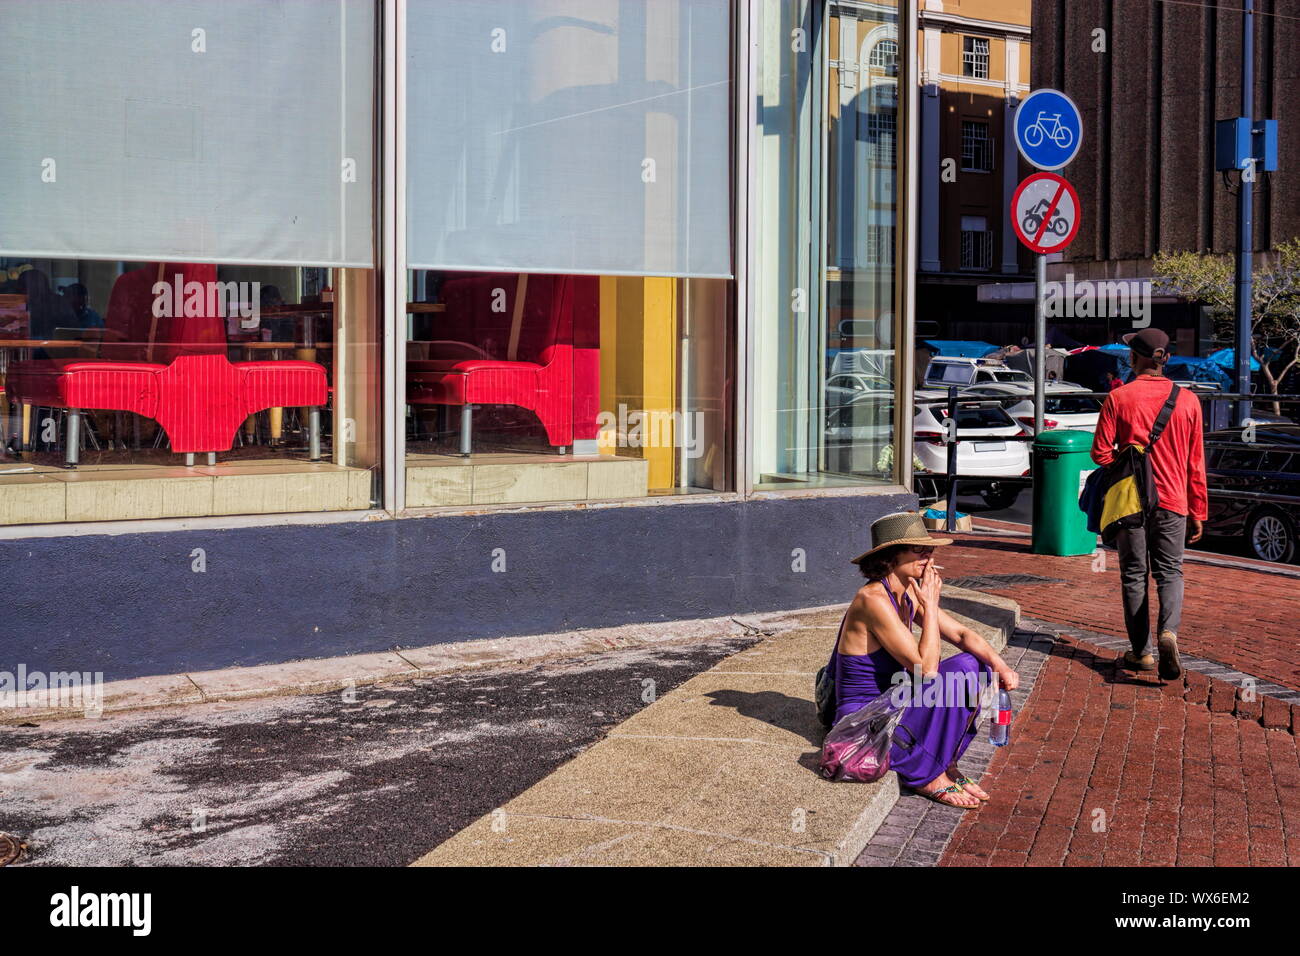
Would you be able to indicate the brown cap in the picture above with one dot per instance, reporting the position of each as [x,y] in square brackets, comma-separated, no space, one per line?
[1147,341]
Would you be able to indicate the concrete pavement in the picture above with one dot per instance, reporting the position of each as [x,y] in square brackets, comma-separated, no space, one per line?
[720,771]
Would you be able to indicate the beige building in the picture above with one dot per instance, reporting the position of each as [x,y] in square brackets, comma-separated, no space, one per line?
[973,70]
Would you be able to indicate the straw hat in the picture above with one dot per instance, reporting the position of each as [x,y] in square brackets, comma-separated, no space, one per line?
[906,527]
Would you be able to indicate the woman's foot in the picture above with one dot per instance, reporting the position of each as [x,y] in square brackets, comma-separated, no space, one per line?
[967,784]
[942,790]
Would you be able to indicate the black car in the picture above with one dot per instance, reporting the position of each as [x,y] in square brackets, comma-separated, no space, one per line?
[1254,488]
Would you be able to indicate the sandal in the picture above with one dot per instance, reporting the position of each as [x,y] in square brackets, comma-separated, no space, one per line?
[939,793]
[962,780]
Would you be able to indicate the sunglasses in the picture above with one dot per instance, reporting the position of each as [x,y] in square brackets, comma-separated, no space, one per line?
[922,551]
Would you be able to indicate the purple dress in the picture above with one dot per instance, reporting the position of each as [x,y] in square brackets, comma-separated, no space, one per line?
[930,737]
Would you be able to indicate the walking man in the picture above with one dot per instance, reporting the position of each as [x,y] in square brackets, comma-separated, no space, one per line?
[1178,467]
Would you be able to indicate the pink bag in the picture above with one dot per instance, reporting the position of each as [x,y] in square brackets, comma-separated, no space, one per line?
[857,748]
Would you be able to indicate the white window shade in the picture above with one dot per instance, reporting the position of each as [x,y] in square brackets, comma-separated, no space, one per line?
[569,136]
[188,130]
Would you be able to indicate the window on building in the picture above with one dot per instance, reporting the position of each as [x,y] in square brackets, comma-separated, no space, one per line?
[976,147]
[882,135]
[975,57]
[976,243]
[189,321]
[880,244]
[822,318]
[567,330]
[884,56]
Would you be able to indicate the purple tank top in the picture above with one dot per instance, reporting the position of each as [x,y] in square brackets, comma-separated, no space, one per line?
[860,678]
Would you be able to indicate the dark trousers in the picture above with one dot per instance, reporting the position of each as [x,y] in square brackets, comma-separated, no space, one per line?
[1155,549]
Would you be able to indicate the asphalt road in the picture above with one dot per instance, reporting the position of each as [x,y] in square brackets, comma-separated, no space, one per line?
[379,779]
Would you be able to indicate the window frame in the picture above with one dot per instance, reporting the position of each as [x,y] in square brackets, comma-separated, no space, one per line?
[979,148]
[974,61]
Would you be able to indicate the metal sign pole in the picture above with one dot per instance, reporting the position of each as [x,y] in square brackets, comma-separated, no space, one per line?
[1040,340]
[1245,240]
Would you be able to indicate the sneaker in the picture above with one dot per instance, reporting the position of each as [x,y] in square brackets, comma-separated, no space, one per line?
[1144,663]
[1171,667]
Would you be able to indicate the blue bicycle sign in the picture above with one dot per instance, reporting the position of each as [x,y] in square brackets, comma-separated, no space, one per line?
[1048,129]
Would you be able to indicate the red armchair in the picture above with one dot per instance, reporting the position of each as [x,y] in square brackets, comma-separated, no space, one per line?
[173,370]
[541,354]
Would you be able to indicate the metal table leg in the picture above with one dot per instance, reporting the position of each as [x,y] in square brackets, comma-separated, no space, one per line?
[466,418]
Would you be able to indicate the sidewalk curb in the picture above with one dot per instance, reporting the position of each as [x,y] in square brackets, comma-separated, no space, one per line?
[719,771]
[336,673]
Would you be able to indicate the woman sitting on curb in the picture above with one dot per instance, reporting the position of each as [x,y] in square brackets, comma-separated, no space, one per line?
[876,642]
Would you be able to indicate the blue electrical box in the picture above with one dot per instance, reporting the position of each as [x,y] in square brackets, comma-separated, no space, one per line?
[1232,145]
[1266,145]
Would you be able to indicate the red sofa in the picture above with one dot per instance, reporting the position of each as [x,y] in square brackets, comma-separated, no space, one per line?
[173,370]
[544,357]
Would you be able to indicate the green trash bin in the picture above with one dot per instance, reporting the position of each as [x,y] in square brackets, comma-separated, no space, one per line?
[1061,465]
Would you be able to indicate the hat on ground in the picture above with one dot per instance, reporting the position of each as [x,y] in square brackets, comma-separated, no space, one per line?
[906,527]
[1146,342]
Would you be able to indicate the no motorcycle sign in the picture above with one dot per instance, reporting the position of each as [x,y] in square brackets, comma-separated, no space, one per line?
[1045,212]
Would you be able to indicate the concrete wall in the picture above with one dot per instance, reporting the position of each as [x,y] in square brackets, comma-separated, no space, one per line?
[131,605]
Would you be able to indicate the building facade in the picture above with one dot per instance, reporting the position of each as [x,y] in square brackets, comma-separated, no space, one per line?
[974,69]
[1150,81]
[342,328]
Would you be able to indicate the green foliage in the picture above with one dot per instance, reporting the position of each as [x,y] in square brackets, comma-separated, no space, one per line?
[1275,299]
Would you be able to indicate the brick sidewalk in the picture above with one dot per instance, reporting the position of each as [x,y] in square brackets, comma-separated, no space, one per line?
[1243,618]
[1105,768]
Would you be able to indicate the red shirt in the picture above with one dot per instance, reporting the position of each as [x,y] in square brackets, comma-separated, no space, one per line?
[1178,458]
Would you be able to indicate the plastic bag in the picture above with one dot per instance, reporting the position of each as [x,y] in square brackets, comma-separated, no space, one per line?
[857,748]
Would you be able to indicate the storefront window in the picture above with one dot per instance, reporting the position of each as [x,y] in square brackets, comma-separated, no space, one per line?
[825,365]
[188,320]
[570,316]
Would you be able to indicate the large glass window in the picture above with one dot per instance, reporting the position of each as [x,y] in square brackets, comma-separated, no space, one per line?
[188,321]
[570,316]
[825,276]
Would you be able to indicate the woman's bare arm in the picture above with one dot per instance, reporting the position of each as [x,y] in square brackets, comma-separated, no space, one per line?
[963,638]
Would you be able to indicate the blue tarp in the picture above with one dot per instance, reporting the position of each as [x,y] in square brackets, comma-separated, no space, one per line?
[1187,368]
[1227,358]
[960,349]
[1217,368]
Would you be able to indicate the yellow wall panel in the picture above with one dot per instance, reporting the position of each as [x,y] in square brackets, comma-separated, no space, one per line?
[638,361]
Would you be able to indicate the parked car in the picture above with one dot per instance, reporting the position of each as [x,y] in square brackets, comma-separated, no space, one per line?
[1254,489]
[845,388]
[951,370]
[989,455]
[1065,405]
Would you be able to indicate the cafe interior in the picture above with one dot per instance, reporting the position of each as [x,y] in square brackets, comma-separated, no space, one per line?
[192,321]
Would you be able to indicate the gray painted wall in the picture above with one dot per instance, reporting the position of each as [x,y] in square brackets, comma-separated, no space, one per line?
[130,605]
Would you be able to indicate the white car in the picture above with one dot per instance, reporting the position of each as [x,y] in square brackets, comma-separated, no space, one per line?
[1065,405]
[848,387]
[947,370]
[982,449]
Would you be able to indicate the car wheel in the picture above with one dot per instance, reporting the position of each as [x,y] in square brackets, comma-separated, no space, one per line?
[999,498]
[1271,537]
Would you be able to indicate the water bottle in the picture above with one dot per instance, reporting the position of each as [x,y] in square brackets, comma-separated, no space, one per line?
[1000,729]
